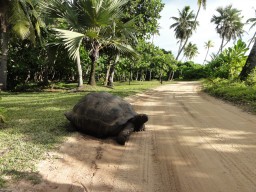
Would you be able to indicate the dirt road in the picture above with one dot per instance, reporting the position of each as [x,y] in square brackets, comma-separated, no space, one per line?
[192,143]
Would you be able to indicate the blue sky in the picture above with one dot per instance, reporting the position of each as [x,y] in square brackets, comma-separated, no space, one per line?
[206,30]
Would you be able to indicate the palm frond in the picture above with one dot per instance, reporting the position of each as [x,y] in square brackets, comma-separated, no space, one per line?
[72,41]
[123,49]
[62,9]
[22,29]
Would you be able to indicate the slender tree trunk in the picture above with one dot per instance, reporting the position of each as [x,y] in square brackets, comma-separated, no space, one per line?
[172,75]
[251,41]
[79,71]
[206,55]
[180,46]
[94,57]
[4,5]
[221,46]
[250,63]
[107,74]
[108,70]
[3,59]
[112,72]
[130,78]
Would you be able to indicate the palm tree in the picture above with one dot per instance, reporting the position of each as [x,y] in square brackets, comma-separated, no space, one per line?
[251,60]
[93,24]
[253,21]
[20,18]
[208,45]
[190,51]
[183,26]
[200,3]
[228,24]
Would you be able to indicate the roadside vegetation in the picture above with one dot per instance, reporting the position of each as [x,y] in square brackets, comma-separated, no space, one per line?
[236,92]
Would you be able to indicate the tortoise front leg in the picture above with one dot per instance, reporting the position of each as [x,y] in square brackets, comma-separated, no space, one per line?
[124,135]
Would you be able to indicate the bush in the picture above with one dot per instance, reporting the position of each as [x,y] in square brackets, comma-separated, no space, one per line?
[251,79]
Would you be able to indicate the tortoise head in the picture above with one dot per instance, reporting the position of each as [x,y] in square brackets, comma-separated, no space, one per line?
[69,115]
[139,121]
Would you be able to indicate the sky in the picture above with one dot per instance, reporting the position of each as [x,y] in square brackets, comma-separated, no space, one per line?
[206,30]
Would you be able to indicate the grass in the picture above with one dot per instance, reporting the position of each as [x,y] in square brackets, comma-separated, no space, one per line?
[35,124]
[236,92]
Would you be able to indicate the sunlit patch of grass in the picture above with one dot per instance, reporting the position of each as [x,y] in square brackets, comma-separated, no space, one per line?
[35,124]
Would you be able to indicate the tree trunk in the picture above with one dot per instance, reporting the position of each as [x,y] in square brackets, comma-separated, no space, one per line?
[250,63]
[206,55]
[112,72]
[137,75]
[253,39]
[172,75]
[150,74]
[108,71]
[221,46]
[94,57]
[79,71]
[107,74]
[3,60]
[3,44]
[130,78]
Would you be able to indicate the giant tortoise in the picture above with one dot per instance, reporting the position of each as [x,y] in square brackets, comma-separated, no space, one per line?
[101,114]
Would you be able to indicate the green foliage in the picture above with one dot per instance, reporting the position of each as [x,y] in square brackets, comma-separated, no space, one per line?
[28,64]
[233,91]
[154,61]
[229,63]
[191,71]
[146,13]
[251,79]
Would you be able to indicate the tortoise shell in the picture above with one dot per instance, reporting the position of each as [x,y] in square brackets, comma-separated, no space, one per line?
[101,114]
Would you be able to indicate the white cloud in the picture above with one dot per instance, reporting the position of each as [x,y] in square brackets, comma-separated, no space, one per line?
[206,31]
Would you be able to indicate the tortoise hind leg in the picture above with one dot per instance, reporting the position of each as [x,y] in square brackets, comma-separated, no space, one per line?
[124,135]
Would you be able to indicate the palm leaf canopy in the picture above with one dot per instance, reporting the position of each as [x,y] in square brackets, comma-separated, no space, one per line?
[25,19]
[184,23]
[72,41]
[228,22]
[90,22]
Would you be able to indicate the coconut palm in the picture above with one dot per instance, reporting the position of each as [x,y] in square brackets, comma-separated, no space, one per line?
[229,24]
[94,24]
[190,51]
[207,46]
[19,18]
[200,3]
[183,26]
[253,21]
[251,60]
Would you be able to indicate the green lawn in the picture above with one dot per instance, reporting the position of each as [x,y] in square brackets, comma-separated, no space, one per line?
[35,124]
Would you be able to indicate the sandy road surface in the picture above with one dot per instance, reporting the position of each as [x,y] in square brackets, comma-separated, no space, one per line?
[193,143]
